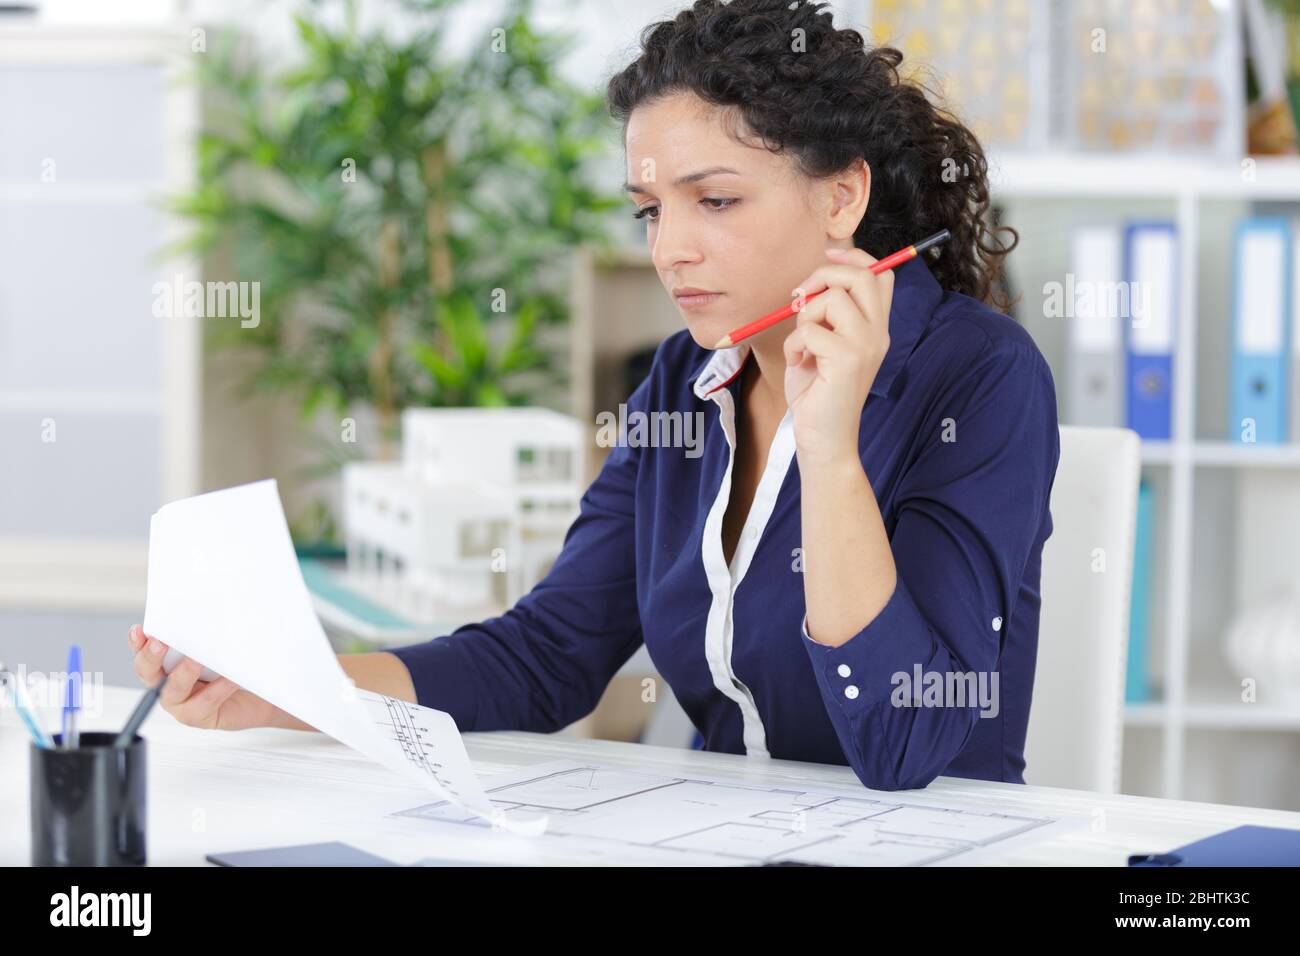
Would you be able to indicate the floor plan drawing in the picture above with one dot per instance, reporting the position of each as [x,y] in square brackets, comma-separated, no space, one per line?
[723,822]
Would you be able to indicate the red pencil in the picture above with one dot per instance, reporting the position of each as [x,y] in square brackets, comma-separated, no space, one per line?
[769,320]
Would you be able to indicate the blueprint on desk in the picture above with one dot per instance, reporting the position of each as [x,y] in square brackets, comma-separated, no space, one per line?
[607,814]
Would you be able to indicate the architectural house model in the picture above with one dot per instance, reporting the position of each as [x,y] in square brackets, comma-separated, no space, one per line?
[471,517]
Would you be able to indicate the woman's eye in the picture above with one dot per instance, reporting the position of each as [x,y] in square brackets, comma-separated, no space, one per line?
[715,203]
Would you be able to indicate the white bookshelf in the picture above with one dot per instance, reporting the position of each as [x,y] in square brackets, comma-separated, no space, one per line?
[1109,176]
[1199,195]
[110,106]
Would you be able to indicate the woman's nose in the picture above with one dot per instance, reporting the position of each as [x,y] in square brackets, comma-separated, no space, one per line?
[673,243]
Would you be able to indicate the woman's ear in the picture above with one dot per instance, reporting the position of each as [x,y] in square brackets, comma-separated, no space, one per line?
[850,190]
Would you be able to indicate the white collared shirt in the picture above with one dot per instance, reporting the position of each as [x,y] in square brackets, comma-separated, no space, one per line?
[724,366]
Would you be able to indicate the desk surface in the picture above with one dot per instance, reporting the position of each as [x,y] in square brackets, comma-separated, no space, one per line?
[211,791]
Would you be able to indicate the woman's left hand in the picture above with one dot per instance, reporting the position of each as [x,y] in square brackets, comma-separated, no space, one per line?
[834,353]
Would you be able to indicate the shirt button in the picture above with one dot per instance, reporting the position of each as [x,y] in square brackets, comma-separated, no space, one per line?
[844,670]
[851,692]
[997,624]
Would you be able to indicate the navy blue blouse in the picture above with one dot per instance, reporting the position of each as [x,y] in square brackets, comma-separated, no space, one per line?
[959,441]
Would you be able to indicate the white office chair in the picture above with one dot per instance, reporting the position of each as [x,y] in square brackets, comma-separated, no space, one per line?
[1076,719]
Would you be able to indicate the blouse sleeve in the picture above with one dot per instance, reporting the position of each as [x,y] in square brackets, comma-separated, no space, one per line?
[969,514]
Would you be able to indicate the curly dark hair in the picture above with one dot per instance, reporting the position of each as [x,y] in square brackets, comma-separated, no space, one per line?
[829,100]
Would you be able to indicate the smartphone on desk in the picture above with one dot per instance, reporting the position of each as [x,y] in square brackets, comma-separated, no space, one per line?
[323,854]
[306,854]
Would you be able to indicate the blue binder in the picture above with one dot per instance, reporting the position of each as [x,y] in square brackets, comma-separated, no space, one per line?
[1261,306]
[1151,271]
[1240,846]
[1136,688]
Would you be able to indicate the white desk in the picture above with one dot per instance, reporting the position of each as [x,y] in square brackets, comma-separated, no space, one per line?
[212,791]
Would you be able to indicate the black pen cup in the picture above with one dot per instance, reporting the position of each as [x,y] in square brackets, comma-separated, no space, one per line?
[88,803]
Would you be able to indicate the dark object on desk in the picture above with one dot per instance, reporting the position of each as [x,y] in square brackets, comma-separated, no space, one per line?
[438,861]
[791,863]
[1240,846]
[306,854]
[88,802]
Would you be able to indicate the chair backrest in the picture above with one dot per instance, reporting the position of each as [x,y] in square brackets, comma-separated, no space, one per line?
[1076,719]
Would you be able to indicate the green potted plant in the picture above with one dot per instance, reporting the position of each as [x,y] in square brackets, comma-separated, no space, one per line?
[409,216]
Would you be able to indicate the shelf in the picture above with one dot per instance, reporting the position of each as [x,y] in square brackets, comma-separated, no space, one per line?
[83,403]
[1158,452]
[1204,714]
[132,194]
[1147,714]
[73,573]
[1222,454]
[1232,454]
[1213,701]
[1152,176]
[1209,716]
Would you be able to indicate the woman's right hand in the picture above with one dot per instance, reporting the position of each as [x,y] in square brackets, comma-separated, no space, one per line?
[213,705]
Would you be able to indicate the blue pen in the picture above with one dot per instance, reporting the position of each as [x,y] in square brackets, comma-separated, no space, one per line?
[72,698]
[39,736]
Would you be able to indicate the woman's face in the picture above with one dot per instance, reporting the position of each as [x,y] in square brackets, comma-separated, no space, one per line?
[750,234]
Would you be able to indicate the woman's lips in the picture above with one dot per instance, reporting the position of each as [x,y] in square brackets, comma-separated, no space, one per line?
[697,301]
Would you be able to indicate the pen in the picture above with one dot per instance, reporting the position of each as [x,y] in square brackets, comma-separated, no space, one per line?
[879,266]
[39,736]
[72,698]
[138,715]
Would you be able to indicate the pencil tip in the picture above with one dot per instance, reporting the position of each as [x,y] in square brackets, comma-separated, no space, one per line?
[724,343]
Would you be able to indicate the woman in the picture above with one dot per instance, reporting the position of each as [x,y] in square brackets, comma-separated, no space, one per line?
[847,570]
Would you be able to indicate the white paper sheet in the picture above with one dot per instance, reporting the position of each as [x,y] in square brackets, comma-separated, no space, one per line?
[225,589]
